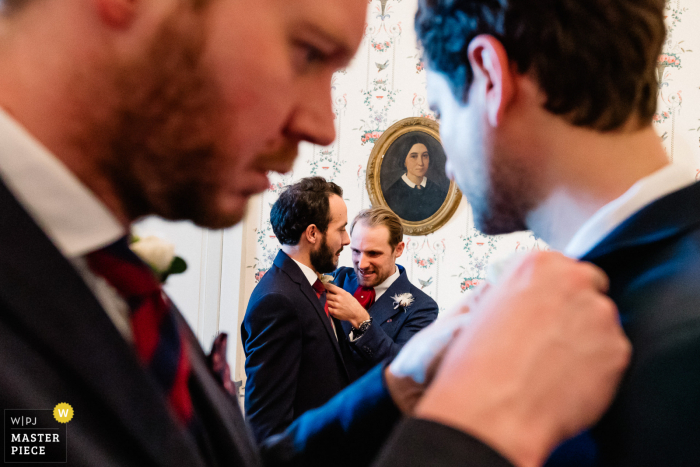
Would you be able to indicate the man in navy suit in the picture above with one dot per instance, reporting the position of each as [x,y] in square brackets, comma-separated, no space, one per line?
[295,351]
[379,307]
[557,138]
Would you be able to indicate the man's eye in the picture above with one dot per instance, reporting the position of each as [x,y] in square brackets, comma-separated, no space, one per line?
[314,55]
[308,54]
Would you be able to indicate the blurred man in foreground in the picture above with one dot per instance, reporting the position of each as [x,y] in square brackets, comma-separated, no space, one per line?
[116,109]
[546,118]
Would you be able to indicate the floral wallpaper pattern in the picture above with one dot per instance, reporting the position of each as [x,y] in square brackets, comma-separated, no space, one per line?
[386,82]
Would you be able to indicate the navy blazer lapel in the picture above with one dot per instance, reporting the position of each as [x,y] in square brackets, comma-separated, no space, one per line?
[384,308]
[654,222]
[287,264]
[52,304]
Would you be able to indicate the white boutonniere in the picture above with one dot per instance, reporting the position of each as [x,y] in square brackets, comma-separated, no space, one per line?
[325,278]
[159,255]
[403,300]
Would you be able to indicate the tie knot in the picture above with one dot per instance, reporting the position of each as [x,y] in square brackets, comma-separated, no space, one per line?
[318,287]
[123,269]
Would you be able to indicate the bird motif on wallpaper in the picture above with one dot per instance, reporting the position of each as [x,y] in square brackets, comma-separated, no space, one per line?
[424,284]
[382,66]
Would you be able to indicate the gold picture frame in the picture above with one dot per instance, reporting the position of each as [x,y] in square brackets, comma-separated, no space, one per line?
[388,177]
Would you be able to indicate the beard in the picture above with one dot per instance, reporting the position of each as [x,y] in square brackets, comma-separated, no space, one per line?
[323,259]
[161,157]
[503,206]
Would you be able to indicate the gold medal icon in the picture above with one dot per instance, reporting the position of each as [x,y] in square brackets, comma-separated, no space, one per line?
[63,412]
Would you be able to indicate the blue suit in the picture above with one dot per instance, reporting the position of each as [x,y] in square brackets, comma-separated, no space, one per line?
[392,326]
[653,261]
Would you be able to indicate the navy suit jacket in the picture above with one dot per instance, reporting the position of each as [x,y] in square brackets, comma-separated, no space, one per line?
[653,261]
[294,362]
[392,326]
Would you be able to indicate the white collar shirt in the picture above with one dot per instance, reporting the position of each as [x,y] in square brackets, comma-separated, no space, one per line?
[384,286]
[309,273]
[312,277]
[408,181]
[645,191]
[72,217]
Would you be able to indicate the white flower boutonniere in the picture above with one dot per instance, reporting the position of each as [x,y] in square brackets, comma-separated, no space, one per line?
[403,300]
[325,278]
[159,255]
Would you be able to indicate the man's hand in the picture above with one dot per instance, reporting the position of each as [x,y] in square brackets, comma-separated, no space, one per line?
[539,359]
[343,306]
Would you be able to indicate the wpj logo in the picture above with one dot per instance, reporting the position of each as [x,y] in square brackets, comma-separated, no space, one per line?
[37,435]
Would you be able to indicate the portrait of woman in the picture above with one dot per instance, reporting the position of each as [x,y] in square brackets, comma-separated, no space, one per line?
[413,177]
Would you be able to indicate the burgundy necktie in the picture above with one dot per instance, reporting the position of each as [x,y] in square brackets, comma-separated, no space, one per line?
[157,338]
[366,296]
[321,295]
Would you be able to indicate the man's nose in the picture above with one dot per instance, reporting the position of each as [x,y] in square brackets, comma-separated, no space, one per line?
[364,263]
[313,120]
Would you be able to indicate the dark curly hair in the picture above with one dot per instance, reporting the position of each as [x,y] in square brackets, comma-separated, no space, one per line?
[594,59]
[300,205]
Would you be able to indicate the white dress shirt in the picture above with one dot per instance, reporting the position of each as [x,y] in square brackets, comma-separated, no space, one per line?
[384,286]
[73,218]
[408,181]
[664,181]
[312,277]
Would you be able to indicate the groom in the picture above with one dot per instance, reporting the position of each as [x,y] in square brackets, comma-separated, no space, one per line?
[379,307]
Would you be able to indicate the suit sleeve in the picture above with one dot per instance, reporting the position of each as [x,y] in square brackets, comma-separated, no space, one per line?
[375,345]
[272,340]
[422,443]
[348,430]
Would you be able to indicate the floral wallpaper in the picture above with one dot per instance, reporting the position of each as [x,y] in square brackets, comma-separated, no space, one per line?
[386,82]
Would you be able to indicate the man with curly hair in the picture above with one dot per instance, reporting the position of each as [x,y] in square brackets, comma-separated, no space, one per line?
[295,350]
[546,110]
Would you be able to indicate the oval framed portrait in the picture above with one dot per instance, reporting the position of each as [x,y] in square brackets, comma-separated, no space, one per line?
[406,173]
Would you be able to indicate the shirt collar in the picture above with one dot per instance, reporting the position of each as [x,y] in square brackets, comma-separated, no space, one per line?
[73,218]
[666,180]
[408,181]
[384,286]
[309,273]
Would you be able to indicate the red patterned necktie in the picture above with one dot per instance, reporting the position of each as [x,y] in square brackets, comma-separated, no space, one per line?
[365,295]
[157,338]
[321,295]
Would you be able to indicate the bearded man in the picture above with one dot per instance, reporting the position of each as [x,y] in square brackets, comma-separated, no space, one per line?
[295,351]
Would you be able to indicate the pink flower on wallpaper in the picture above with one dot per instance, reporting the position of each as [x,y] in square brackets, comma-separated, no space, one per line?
[668,59]
[469,283]
[259,275]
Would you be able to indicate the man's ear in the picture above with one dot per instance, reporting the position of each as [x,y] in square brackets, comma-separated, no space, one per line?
[117,13]
[489,61]
[312,234]
[398,251]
